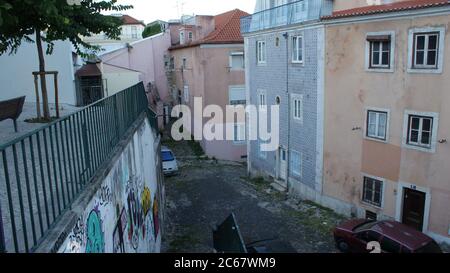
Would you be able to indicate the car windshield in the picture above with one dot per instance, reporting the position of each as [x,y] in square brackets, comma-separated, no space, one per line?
[167,156]
[364,226]
[431,247]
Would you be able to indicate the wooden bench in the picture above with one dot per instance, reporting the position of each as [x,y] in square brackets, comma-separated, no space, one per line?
[11,109]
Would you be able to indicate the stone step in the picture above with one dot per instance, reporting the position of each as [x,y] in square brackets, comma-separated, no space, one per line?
[279,187]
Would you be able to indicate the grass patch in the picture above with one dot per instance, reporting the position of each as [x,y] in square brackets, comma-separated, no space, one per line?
[183,242]
[315,217]
[258,182]
[196,148]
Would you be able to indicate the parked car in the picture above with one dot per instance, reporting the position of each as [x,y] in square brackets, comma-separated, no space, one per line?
[392,237]
[169,162]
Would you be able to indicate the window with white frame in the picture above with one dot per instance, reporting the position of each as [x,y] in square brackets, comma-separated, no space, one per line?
[373,191]
[262,102]
[190,35]
[377,122]
[239,133]
[134,34]
[184,64]
[297,107]
[379,51]
[237,60]
[296,163]
[237,95]
[186,93]
[426,50]
[261,52]
[420,131]
[297,49]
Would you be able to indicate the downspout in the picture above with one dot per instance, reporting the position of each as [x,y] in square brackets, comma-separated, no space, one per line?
[286,36]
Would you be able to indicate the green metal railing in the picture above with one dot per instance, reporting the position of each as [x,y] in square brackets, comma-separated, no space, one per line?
[44,171]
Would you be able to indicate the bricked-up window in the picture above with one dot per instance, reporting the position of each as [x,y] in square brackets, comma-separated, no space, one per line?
[372,192]
[297,49]
[261,52]
[420,130]
[297,107]
[380,51]
[296,163]
[426,50]
[377,124]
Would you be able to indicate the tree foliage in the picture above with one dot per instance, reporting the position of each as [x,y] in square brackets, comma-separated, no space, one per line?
[151,30]
[58,19]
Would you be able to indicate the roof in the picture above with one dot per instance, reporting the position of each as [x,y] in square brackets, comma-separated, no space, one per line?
[128,20]
[387,8]
[227,30]
[402,234]
[88,70]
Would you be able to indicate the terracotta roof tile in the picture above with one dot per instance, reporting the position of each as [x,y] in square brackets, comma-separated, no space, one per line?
[393,7]
[128,20]
[227,30]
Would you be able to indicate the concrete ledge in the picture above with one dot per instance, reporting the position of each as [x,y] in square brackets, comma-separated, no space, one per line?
[54,239]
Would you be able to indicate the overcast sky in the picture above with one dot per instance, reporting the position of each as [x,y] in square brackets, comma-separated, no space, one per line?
[150,10]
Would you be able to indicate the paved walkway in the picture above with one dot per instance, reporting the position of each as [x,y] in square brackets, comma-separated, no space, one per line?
[205,193]
[29,111]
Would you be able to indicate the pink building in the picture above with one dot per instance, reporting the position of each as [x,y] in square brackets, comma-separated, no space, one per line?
[207,61]
[140,61]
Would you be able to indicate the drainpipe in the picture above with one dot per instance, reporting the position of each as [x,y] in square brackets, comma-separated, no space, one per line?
[288,163]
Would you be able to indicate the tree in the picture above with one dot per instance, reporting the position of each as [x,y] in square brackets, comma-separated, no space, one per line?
[151,30]
[51,20]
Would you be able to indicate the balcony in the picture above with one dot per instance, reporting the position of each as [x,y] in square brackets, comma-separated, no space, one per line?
[284,15]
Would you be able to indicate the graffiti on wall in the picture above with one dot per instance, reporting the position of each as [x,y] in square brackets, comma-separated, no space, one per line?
[118,239]
[95,242]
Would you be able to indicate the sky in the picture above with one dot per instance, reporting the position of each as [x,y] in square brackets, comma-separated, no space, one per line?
[150,10]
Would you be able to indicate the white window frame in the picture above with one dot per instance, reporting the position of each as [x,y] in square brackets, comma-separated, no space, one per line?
[186,93]
[261,52]
[237,53]
[230,88]
[297,114]
[366,122]
[411,50]
[262,100]
[182,37]
[297,49]
[382,190]
[298,173]
[382,69]
[184,63]
[134,32]
[434,133]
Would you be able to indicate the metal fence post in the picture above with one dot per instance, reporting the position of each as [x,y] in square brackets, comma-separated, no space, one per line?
[2,233]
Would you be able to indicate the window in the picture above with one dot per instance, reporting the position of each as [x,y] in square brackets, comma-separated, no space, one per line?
[190,35]
[237,95]
[261,52]
[184,65]
[372,191]
[182,41]
[389,245]
[420,131]
[186,93]
[296,163]
[134,32]
[377,124]
[380,51]
[297,49]
[369,236]
[370,215]
[239,133]
[426,50]
[237,60]
[172,63]
[262,101]
[297,107]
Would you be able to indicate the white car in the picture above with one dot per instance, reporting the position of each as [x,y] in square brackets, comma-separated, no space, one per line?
[169,162]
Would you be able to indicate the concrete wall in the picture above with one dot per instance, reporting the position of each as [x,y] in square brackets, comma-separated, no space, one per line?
[147,57]
[351,89]
[122,210]
[118,79]
[16,77]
